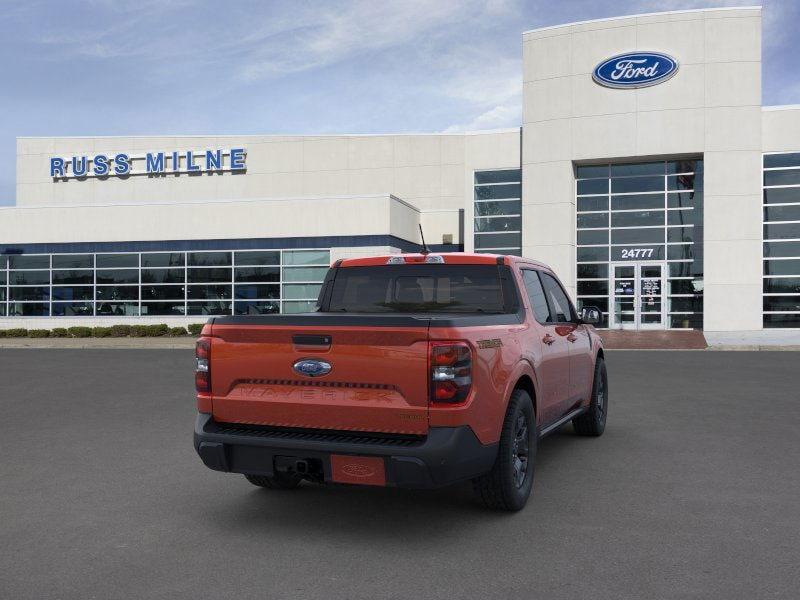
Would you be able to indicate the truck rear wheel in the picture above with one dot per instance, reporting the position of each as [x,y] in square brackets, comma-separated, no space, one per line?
[593,421]
[508,485]
[275,482]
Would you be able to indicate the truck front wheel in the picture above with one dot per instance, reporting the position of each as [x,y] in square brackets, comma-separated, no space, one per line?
[275,482]
[508,485]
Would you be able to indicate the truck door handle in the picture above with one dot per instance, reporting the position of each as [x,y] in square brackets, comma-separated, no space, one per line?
[548,339]
[572,337]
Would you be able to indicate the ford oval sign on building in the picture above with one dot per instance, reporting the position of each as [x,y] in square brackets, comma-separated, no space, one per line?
[635,70]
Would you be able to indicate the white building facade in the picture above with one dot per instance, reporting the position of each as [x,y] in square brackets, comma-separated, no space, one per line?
[646,172]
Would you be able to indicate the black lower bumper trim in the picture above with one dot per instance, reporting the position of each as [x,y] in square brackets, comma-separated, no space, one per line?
[445,456]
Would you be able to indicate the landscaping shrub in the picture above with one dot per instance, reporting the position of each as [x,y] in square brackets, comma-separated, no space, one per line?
[177,331]
[59,332]
[2,333]
[16,332]
[138,330]
[195,328]
[157,330]
[80,332]
[120,330]
[101,332]
[38,333]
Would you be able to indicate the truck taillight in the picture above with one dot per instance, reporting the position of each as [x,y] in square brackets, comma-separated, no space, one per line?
[202,373]
[451,371]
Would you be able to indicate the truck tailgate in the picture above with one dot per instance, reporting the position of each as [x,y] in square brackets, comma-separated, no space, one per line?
[378,380]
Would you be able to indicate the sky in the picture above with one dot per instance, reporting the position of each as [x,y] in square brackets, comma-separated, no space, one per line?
[172,67]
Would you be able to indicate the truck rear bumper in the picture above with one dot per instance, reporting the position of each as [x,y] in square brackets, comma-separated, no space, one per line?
[445,456]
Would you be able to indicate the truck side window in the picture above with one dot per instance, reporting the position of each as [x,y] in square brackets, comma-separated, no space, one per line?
[533,287]
[558,300]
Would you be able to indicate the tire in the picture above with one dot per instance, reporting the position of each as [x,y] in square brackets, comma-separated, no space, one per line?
[508,485]
[275,482]
[593,421]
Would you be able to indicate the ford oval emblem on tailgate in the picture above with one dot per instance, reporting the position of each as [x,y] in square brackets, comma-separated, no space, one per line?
[311,367]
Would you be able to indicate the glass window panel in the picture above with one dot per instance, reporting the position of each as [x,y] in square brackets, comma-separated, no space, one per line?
[256,308]
[774,321]
[221,307]
[782,267]
[117,292]
[592,236]
[209,292]
[686,321]
[684,166]
[593,220]
[2,294]
[683,217]
[637,184]
[73,309]
[3,309]
[789,159]
[304,273]
[3,262]
[637,219]
[498,176]
[592,186]
[114,261]
[685,199]
[783,231]
[299,307]
[83,292]
[587,171]
[589,254]
[496,192]
[693,304]
[117,309]
[164,275]
[648,168]
[680,234]
[306,257]
[164,259]
[73,277]
[117,276]
[782,195]
[782,213]
[781,249]
[162,292]
[209,259]
[680,252]
[209,275]
[782,285]
[685,286]
[257,258]
[255,292]
[558,300]
[535,292]
[592,288]
[29,277]
[29,293]
[637,202]
[637,236]
[162,308]
[601,303]
[2,277]
[28,309]
[498,224]
[257,274]
[504,207]
[73,261]
[24,261]
[301,291]
[597,203]
[788,177]
[497,240]
[681,269]
[782,303]
[592,271]
[683,182]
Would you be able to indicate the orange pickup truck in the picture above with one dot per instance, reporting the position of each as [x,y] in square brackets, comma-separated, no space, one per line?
[417,370]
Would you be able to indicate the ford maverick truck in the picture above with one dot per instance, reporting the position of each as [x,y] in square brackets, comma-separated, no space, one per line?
[417,370]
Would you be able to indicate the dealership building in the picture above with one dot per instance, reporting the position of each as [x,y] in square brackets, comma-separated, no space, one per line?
[645,171]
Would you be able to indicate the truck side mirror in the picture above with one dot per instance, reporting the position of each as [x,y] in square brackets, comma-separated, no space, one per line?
[590,315]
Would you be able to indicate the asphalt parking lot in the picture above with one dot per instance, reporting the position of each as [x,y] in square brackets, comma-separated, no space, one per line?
[693,492]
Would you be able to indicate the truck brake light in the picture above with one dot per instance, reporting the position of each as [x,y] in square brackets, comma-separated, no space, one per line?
[451,371]
[202,373]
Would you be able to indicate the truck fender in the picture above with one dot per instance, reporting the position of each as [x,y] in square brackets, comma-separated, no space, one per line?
[523,375]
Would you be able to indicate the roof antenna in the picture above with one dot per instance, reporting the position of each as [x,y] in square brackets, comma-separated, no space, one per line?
[425,249]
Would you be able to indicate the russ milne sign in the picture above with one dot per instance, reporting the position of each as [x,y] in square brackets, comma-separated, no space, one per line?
[151,163]
[635,70]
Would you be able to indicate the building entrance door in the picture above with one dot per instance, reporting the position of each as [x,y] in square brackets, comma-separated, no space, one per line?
[637,295]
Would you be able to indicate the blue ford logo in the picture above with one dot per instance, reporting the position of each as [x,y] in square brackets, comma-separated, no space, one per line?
[311,367]
[635,70]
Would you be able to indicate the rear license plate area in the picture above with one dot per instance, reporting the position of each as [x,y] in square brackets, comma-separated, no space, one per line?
[360,470]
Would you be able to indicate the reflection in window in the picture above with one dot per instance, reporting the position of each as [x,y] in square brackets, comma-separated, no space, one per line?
[498,211]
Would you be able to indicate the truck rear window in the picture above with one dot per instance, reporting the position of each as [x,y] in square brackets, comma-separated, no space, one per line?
[419,289]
